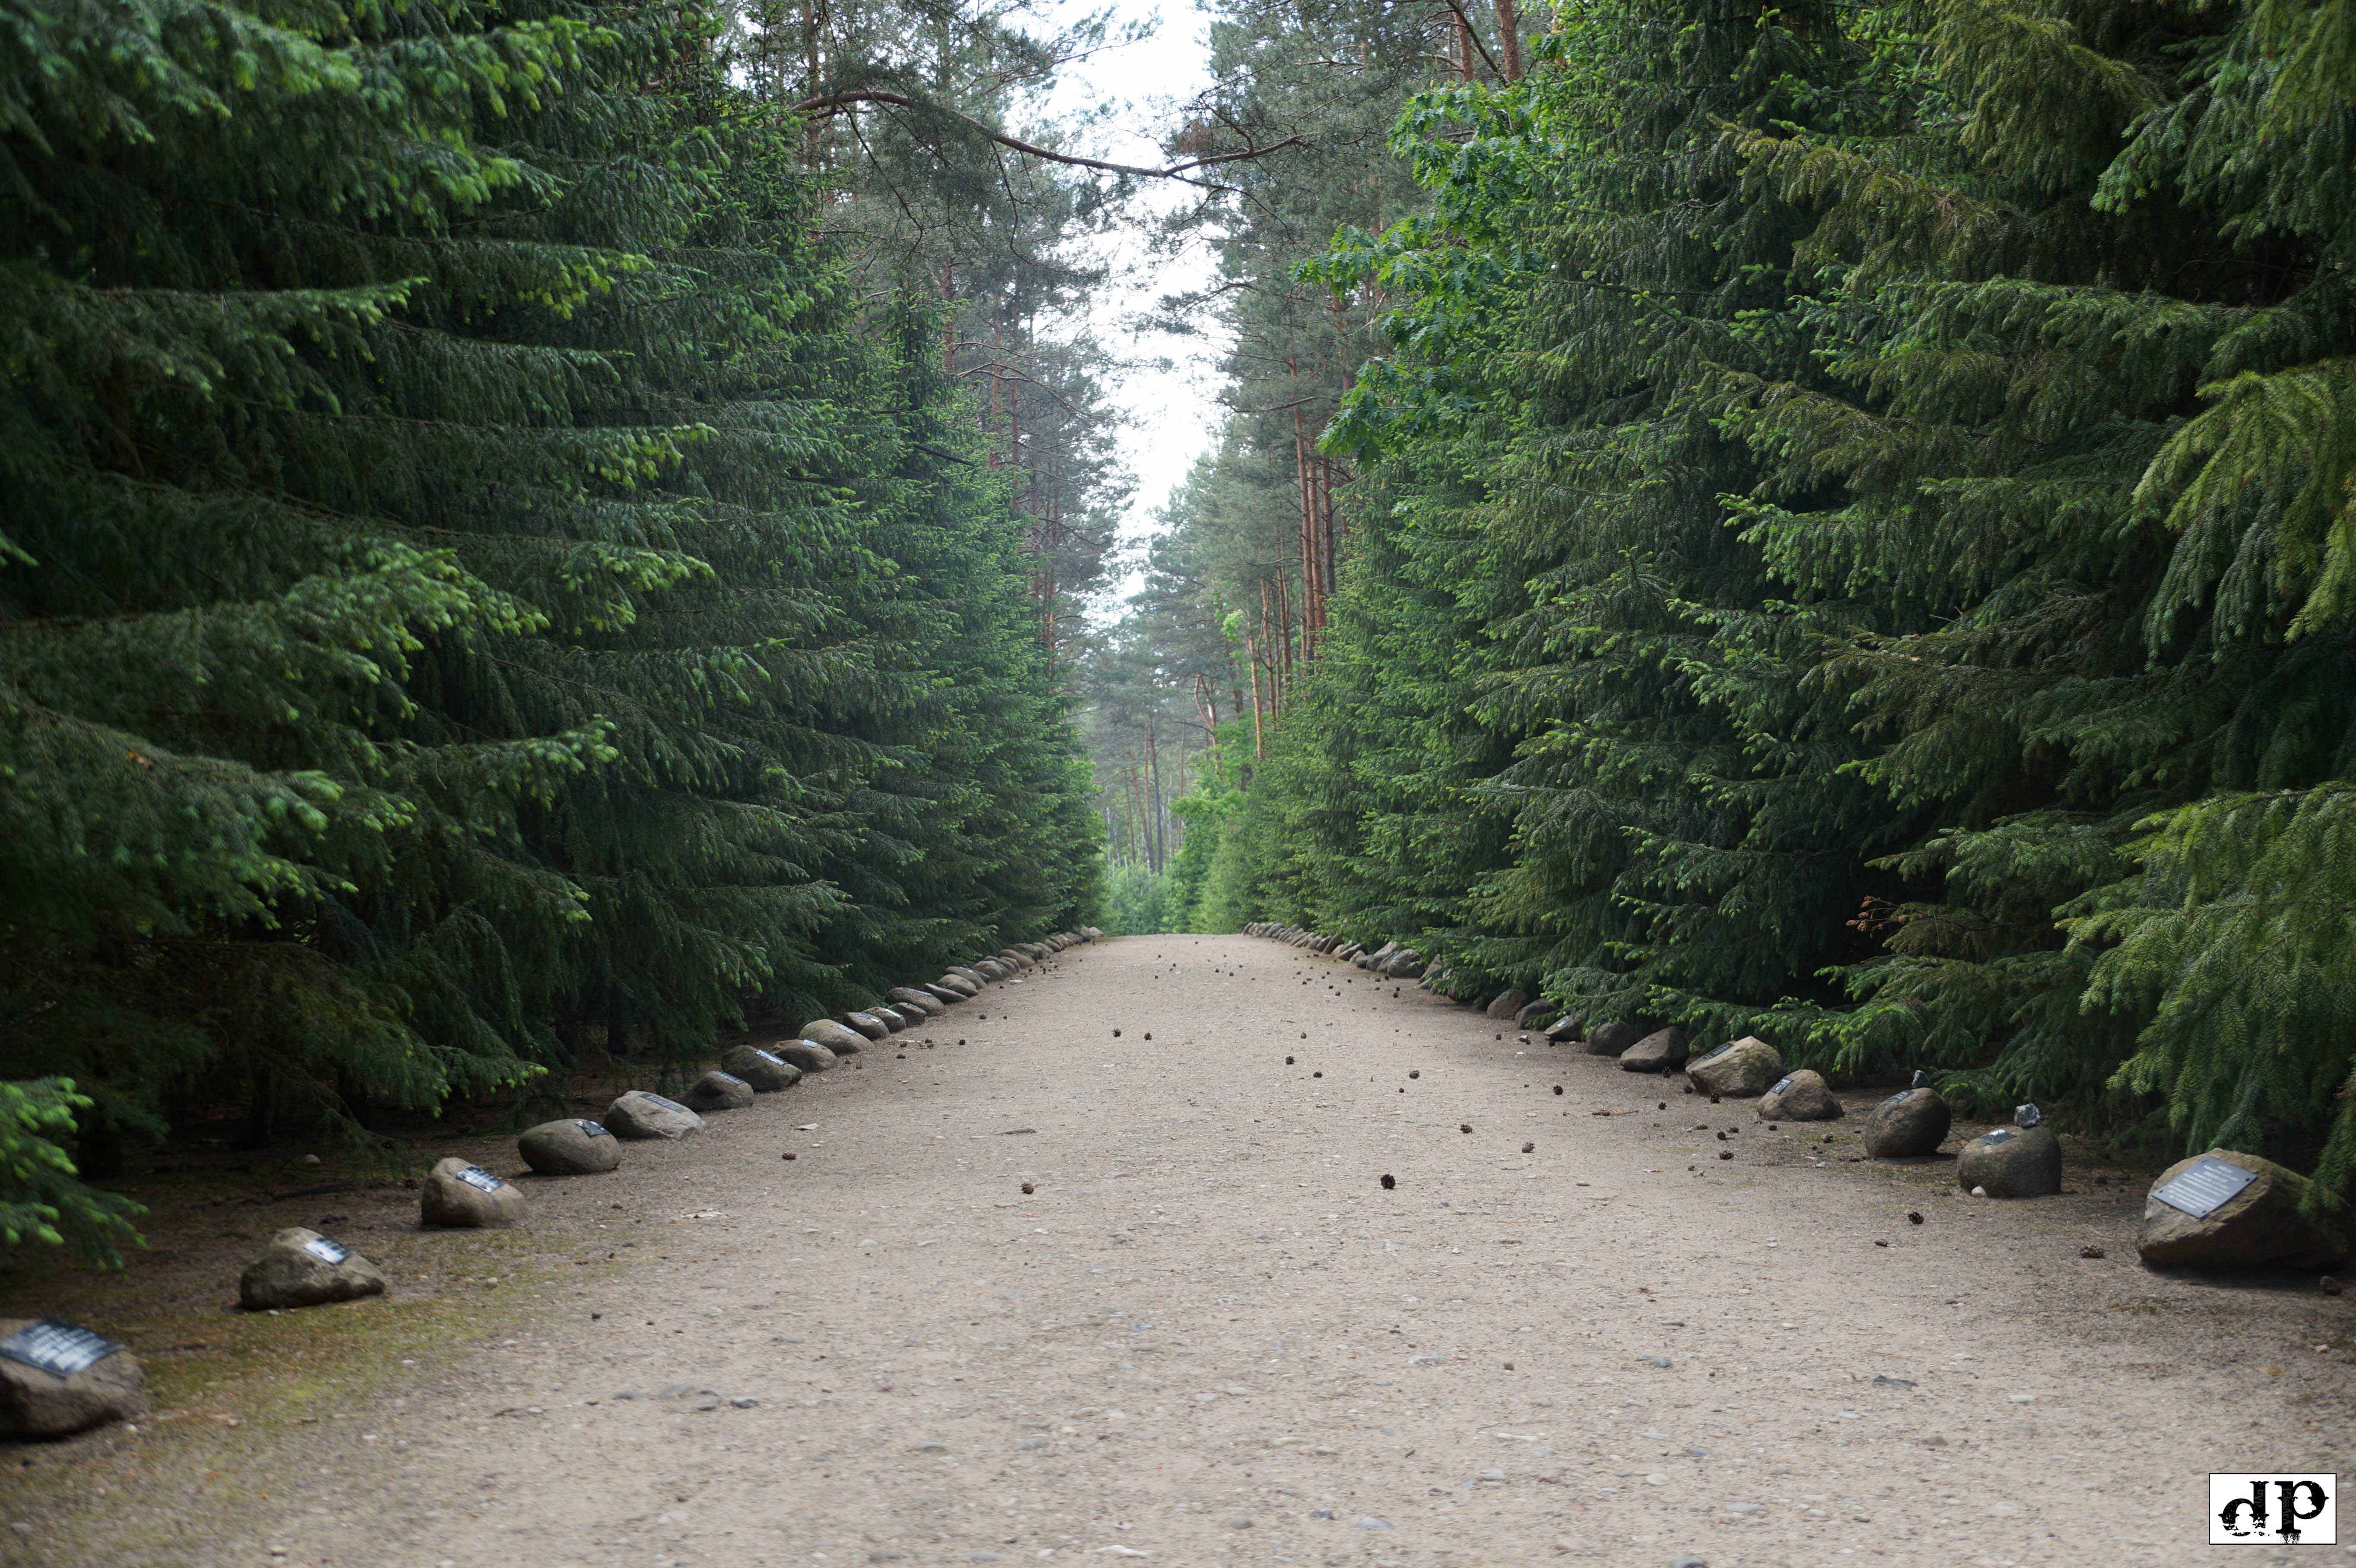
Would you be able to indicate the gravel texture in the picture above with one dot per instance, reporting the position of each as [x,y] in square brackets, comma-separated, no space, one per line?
[1210,1335]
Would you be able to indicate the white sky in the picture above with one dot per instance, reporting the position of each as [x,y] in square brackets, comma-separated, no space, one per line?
[1175,409]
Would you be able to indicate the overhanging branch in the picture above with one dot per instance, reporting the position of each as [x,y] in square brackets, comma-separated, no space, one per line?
[828,104]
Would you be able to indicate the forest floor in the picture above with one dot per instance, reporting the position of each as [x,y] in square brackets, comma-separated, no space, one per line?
[1209,1336]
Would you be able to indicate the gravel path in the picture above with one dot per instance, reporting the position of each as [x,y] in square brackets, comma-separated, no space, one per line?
[1209,1336]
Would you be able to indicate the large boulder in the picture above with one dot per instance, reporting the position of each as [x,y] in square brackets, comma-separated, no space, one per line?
[942,994]
[2011,1162]
[837,1039]
[807,1055]
[458,1195]
[1911,1122]
[909,996]
[1801,1096]
[1407,963]
[81,1380]
[1740,1070]
[1568,1028]
[1663,1050]
[718,1091]
[1612,1038]
[1507,1003]
[2261,1223]
[1368,960]
[896,1018]
[968,974]
[1536,1014]
[304,1268]
[766,1068]
[639,1115]
[867,1024]
[573,1146]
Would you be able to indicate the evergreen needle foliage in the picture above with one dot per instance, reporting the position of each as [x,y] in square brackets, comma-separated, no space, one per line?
[1855,545]
[477,592]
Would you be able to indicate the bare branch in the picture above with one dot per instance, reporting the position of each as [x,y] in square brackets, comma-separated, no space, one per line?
[829,105]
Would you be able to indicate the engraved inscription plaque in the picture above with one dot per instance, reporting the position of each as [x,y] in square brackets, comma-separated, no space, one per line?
[326,1251]
[482,1180]
[592,1129]
[1781,1084]
[2209,1185]
[59,1348]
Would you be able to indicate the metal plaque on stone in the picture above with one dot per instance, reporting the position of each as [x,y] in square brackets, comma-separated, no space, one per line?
[326,1251]
[1781,1084]
[2209,1185]
[482,1180]
[729,1078]
[590,1130]
[1897,1097]
[772,1061]
[1714,1055]
[61,1349]
[2001,1134]
[667,1104]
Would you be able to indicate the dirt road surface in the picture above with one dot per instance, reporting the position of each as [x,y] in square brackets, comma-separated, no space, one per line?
[1209,1336]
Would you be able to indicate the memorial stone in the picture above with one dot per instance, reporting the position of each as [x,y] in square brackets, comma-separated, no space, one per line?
[718,1091]
[303,1268]
[58,1379]
[458,1195]
[641,1115]
[2230,1209]
[573,1146]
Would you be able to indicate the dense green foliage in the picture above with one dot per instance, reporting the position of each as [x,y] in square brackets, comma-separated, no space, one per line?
[1854,545]
[477,593]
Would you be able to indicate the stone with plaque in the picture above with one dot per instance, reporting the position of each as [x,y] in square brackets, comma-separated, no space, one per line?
[58,1379]
[573,1146]
[1663,1050]
[1740,1070]
[641,1115]
[909,996]
[835,1037]
[1569,1028]
[2229,1210]
[461,1196]
[1908,1124]
[1612,1038]
[303,1268]
[1801,1096]
[2012,1162]
[763,1067]
[718,1091]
